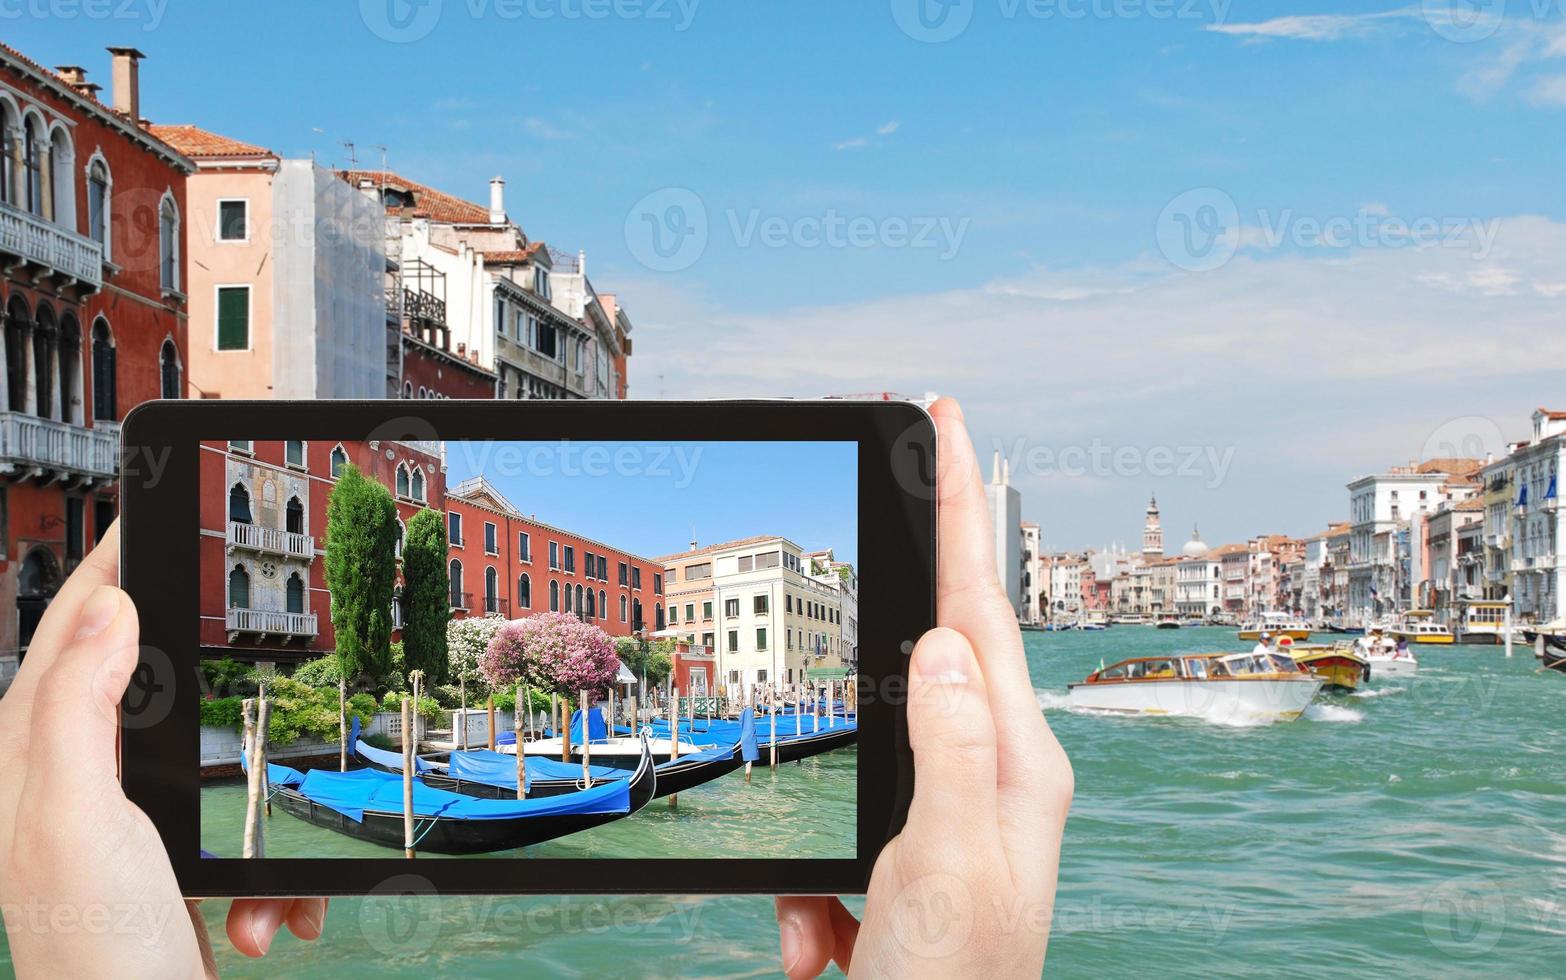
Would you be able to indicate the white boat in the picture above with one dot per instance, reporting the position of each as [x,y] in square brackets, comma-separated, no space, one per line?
[613,752]
[1237,688]
[1384,659]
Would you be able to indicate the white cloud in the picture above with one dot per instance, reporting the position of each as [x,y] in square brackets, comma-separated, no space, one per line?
[861,142]
[1314,27]
[857,143]
[1286,356]
[887,129]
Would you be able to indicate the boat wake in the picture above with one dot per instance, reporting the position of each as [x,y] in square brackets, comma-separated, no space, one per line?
[1332,712]
[1379,692]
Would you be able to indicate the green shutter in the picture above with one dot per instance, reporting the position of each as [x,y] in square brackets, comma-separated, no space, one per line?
[233,329]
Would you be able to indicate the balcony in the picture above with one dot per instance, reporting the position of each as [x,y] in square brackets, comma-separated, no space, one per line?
[269,540]
[52,251]
[461,600]
[48,450]
[266,622]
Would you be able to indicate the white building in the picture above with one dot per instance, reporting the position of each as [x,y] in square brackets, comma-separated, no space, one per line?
[1033,584]
[840,577]
[1198,580]
[1006,518]
[1534,554]
[1380,508]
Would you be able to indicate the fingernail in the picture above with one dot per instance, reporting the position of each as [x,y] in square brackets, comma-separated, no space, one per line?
[315,916]
[941,659]
[98,611]
[264,923]
[793,944]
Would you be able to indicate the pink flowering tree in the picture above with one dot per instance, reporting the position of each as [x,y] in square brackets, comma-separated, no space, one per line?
[553,652]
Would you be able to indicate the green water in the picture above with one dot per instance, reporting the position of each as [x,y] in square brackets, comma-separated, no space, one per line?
[1414,830]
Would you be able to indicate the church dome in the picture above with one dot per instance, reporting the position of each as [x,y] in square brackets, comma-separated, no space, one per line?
[1196,547]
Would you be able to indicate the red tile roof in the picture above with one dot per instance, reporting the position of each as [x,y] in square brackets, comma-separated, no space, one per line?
[1552,415]
[427,201]
[202,144]
[722,546]
[513,256]
[1456,466]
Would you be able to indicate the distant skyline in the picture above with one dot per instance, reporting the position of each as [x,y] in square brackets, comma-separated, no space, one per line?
[1313,242]
[648,497]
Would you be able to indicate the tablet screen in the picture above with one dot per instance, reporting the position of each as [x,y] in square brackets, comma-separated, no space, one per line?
[664,631]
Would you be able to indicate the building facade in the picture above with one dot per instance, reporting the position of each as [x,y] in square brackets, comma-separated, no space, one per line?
[93,301]
[1005,505]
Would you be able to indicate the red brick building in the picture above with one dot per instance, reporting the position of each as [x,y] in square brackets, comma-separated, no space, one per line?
[504,562]
[263,592]
[91,212]
[263,528]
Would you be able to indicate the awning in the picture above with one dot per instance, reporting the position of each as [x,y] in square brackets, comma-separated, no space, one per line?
[625,676]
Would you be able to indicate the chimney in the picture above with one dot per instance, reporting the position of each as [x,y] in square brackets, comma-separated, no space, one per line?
[581,261]
[76,77]
[995,468]
[497,201]
[127,83]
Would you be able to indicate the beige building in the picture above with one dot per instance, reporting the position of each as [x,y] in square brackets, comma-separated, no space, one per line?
[772,622]
[286,276]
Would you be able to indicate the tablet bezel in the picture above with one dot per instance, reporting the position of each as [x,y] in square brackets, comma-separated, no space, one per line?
[159,528]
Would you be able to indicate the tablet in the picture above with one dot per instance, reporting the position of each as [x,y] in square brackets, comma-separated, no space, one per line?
[659,647]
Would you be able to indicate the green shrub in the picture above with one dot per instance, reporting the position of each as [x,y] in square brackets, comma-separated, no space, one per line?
[321,672]
[428,708]
[228,677]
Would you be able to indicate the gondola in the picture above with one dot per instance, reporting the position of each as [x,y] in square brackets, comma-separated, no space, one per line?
[792,746]
[366,804]
[1554,653]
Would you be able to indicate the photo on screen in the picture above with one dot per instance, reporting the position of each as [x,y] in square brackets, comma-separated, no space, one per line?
[514,649]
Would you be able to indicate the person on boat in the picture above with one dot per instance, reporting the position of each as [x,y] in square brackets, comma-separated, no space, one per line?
[1401,653]
[1263,647]
[984,830]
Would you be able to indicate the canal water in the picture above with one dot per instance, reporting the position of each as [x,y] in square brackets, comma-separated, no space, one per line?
[1414,828]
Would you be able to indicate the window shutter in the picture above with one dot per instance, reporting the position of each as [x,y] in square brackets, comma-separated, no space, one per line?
[234,318]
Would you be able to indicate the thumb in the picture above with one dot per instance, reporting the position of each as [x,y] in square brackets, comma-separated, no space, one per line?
[75,712]
[952,734]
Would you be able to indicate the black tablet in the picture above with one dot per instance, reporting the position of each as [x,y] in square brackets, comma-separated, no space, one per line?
[659,646]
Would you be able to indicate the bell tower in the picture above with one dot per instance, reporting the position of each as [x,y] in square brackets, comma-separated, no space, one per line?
[1152,532]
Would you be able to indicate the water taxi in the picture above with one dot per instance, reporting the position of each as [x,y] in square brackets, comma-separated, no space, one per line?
[1484,621]
[1338,666]
[1419,626]
[1277,624]
[1234,688]
[1384,658]
[1167,623]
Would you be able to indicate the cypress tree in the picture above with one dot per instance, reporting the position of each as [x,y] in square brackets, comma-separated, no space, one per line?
[361,572]
[426,596]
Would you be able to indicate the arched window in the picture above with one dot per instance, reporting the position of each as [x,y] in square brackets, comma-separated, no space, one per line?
[579,600]
[603,604]
[239,504]
[491,591]
[7,164]
[168,243]
[296,594]
[45,340]
[592,606]
[402,536]
[554,596]
[70,367]
[622,609]
[17,324]
[524,592]
[32,163]
[456,584]
[100,192]
[569,606]
[403,489]
[658,615]
[418,484]
[294,516]
[62,179]
[339,460]
[407,389]
[170,381]
[104,373]
[397,620]
[239,588]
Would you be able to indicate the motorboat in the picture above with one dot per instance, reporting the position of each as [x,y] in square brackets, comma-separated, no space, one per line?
[1338,666]
[1167,623]
[1278,625]
[1419,626]
[1236,688]
[1384,658]
[1484,621]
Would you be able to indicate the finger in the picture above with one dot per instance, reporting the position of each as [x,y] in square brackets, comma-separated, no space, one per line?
[952,733]
[100,567]
[203,941]
[805,934]
[253,923]
[307,918]
[75,707]
[846,928]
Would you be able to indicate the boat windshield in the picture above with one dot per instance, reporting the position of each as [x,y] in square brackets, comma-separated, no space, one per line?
[1284,664]
[1195,668]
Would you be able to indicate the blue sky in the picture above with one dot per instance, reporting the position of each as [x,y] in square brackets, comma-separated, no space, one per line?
[648,498]
[818,198]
